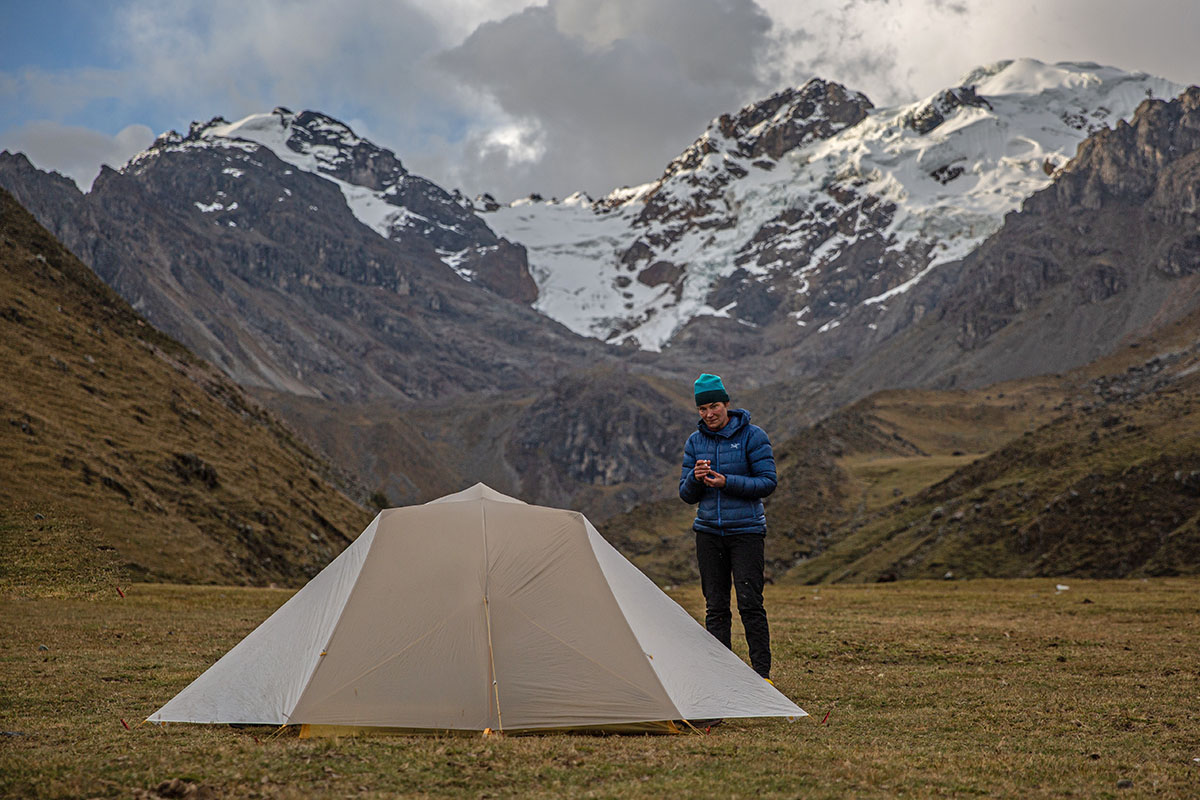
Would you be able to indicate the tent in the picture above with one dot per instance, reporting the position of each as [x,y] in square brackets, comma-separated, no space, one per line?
[477,611]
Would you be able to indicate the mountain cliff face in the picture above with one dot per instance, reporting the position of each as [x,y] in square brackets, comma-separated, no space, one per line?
[599,439]
[378,190]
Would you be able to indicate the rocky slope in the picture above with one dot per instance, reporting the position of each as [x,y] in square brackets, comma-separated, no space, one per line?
[378,190]
[599,439]
[126,455]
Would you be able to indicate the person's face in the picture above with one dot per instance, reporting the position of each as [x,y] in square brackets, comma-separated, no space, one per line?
[715,415]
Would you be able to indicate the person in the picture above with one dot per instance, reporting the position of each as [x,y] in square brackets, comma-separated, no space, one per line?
[728,469]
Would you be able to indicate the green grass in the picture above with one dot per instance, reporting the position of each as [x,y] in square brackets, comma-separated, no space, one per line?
[976,688]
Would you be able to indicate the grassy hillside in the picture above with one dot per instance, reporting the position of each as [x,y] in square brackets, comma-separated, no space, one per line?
[121,449]
[1107,487]
[1110,490]
[921,689]
[1092,473]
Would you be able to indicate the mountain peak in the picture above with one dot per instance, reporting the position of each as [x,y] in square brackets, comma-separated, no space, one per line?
[795,116]
[772,127]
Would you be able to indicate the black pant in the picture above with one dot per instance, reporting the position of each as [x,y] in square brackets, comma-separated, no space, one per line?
[737,561]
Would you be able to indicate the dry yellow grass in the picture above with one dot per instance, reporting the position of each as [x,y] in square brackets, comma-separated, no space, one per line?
[112,432]
[988,688]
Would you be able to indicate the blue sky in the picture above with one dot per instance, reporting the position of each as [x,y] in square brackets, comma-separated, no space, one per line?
[38,32]
[512,96]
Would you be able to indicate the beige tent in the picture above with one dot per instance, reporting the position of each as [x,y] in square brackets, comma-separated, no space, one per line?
[472,612]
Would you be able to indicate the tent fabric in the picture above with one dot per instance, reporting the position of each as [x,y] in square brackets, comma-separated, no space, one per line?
[477,611]
[261,679]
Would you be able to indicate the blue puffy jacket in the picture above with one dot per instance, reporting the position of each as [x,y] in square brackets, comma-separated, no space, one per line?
[742,453]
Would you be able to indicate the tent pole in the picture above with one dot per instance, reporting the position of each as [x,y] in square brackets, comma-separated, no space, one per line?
[487,615]
[492,658]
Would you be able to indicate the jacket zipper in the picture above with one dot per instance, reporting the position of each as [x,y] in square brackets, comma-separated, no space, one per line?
[720,527]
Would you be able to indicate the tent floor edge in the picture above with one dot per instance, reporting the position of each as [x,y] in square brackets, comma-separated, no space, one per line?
[660,727]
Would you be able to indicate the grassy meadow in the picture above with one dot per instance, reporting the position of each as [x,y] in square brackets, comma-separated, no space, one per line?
[993,688]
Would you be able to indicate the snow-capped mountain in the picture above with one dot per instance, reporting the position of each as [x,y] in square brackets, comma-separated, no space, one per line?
[794,212]
[378,190]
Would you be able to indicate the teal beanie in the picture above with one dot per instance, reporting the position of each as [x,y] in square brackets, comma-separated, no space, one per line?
[709,389]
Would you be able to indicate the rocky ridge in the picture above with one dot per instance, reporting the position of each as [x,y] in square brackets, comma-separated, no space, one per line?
[264,270]
[808,211]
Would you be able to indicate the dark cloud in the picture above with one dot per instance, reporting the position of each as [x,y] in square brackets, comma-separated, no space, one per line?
[594,95]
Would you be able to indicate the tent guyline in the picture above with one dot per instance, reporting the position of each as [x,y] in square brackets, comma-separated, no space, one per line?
[575,636]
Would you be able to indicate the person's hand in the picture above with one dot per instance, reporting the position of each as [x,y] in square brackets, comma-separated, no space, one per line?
[701,470]
[714,479]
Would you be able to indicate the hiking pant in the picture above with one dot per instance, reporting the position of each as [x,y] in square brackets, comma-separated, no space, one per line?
[735,561]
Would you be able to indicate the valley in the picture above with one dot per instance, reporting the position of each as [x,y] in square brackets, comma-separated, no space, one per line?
[939,363]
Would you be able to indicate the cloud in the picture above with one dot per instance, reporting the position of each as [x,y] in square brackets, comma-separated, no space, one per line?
[75,151]
[237,58]
[902,50]
[606,93]
[512,97]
